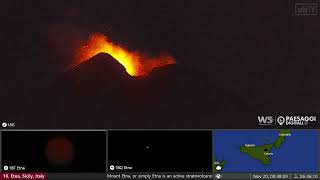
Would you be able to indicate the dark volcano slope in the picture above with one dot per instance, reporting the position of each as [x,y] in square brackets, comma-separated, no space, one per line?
[100,94]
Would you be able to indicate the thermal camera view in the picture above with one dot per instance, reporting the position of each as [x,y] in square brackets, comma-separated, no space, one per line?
[54,151]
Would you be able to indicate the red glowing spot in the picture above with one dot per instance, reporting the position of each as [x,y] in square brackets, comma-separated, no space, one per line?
[59,151]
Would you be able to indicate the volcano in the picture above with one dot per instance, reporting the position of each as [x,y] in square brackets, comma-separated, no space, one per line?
[100,92]
[96,69]
[136,63]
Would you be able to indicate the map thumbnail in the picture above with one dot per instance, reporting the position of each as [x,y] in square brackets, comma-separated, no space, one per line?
[266,150]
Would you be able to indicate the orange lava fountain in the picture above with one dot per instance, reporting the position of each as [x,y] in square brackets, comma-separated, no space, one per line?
[135,63]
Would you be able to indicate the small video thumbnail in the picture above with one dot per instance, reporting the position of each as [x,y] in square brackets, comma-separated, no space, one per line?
[54,151]
[266,151]
[160,151]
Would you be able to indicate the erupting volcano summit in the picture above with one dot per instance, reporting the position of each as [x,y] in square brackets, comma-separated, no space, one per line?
[135,63]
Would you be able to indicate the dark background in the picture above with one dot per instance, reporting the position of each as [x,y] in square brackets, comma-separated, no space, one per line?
[250,57]
[27,148]
[169,151]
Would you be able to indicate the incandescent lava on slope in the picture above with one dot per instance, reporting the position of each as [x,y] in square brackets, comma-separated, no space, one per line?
[135,63]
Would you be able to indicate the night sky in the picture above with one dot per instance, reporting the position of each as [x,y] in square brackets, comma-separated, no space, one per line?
[249,57]
[161,151]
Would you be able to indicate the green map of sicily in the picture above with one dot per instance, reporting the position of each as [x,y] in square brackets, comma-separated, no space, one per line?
[263,153]
[277,150]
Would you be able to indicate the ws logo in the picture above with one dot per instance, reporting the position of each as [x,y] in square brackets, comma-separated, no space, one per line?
[265,120]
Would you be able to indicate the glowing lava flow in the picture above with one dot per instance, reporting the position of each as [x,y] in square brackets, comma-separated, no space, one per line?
[135,63]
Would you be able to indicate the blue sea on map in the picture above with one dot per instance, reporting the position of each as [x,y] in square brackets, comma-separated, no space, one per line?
[299,153]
